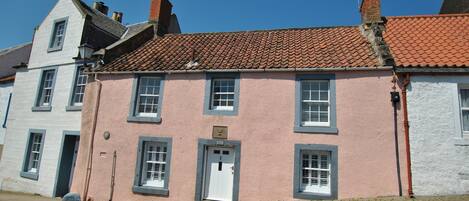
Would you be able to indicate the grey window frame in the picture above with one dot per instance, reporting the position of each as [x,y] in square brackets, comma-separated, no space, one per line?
[209,77]
[24,170]
[71,99]
[50,46]
[137,188]
[203,144]
[332,128]
[461,109]
[133,102]
[333,149]
[37,105]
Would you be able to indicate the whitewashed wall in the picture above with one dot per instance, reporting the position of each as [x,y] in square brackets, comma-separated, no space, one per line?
[5,90]
[21,118]
[440,154]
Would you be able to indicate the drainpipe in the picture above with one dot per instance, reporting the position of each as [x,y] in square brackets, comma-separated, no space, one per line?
[405,83]
[91,145]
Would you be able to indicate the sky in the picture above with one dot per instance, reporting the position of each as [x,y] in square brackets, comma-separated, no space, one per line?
[19,17]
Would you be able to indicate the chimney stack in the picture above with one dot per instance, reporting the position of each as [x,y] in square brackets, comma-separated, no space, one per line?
[370,11]
[160,15]
[117,16]
[99,5]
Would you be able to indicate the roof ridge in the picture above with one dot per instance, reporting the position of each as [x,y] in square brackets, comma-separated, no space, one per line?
[429,15]
[265,30]
[13,48]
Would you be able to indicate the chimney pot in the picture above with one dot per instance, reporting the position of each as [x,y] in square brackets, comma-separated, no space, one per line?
[370,11]
[117,16]
[160,15]
[101,7]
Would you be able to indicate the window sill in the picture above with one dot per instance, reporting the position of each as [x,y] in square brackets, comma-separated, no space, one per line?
[150,191]
[317,130]
[314,196]
[41,109]
[28,175]
[73,108]
[461,141]
[144,119]
[221,112]
[54,49]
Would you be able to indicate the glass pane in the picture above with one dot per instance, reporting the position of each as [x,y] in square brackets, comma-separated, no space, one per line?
[465,97]
[465,118]
[314,174]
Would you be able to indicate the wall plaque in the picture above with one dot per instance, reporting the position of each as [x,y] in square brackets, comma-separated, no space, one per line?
[220,132]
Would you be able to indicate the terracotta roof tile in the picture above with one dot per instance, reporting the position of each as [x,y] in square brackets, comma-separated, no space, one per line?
[274,49]
[429,41]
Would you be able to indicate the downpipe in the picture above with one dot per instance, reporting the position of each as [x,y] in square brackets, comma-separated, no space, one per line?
[405,84]
[91,145]
[395,99]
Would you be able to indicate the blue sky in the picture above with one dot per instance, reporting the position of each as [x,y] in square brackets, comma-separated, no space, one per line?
[19,17]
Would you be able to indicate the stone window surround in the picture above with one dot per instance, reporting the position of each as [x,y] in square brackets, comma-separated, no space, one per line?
[208,94]
[133,104]
[137,188]
[27,153]
[333,149]
[52,35]
[332,128]
[37,107]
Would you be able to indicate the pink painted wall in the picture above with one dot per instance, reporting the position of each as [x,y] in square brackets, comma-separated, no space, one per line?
[264,125]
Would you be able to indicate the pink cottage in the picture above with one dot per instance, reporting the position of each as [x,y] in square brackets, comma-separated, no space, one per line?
[294,114]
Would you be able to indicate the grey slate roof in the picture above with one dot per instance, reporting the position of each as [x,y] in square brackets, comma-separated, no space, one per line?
[455,7]
[100,20]
[13,56]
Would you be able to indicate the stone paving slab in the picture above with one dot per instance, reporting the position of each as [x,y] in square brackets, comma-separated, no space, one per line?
[10,196]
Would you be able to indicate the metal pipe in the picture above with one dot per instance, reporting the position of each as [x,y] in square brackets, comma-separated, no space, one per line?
[91,145]
[405,83]
[113,175]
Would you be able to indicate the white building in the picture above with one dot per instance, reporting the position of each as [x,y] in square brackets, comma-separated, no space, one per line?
[9,57]
[431,54]
[44,121]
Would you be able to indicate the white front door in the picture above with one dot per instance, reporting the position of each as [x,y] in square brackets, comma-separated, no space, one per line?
[219,174]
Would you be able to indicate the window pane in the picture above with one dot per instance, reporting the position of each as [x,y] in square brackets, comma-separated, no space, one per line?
[155,164]
[465,98]
[316,177]
[223,94]
[465,119]
[46,90]
[79,88]
[148,96]
[34,152]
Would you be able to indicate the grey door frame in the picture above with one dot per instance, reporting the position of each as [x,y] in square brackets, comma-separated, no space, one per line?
[203,144]
[64,137]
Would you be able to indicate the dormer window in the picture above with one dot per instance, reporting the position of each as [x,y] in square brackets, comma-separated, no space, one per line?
[58,35]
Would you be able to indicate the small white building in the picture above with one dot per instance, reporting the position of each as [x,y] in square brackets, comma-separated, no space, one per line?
[9,57]
[431,54]
[45,116]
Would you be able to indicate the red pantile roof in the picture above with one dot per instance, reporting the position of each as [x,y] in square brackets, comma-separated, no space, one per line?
[429,41]
[275,49]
